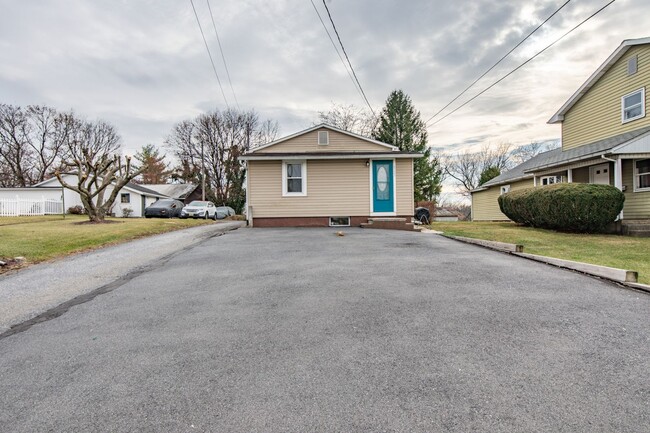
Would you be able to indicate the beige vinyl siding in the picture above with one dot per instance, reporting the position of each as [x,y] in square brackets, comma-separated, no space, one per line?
[485,205]
[597,115]
[404,186]
[334,188]
[637,204]
[337,143]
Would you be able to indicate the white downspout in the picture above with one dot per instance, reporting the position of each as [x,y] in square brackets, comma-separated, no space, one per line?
[618,176]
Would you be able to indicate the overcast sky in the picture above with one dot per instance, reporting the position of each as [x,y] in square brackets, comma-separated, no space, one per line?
[142,65]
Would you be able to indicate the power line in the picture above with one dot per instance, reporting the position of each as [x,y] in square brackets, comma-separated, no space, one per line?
[347,58]
[222,55]
[523,64]
[209,55]
[354,83]
[498,62]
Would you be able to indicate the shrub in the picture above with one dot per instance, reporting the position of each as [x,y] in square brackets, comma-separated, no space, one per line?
[126,212]
[76,210]
[571,207]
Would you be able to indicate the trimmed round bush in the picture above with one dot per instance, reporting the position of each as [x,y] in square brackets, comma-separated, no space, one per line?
[574,207]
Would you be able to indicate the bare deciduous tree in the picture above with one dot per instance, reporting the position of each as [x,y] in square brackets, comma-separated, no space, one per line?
[528,151]
[218,138]
[92,152]
[349,118]
[466,167]
[15,152]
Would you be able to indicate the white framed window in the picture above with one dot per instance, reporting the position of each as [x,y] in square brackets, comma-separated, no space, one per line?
[323,138]
[125,198]
[505,189]
[339,221]
[551,180]
[294,178]
[642,175]
[633,106]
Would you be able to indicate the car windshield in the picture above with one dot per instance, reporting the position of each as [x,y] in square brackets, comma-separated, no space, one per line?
[163,203]
[198,203]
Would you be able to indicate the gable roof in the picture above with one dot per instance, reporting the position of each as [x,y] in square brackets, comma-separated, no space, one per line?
[173,190]
[129,186]
[602,70]
[326,126]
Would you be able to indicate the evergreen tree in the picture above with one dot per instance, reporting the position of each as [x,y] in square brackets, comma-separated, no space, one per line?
[400,125]
[488,174]
[156,169]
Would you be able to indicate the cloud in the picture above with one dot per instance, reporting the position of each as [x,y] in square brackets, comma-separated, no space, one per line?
[143,66]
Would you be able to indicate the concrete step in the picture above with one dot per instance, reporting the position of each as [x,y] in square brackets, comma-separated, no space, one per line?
[389,224]
[638,233]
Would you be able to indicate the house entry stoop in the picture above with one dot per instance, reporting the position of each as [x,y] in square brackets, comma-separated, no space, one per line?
[390,224]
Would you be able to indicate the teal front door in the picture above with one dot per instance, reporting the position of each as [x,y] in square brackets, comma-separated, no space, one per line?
[382,186]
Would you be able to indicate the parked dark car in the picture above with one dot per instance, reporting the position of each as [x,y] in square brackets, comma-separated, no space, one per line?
[225,211]
[164,209]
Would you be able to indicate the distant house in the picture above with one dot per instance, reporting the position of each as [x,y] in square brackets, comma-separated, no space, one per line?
[605,139]
[185,192]
[442,214]
[132,196]
[324,176]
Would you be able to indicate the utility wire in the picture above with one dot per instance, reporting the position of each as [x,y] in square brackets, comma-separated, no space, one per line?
[523,64]
[222,55]
[210,55]
[347,58]
[498,62]
[354,83]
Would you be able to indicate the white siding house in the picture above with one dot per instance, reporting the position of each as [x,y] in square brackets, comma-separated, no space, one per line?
[132,196]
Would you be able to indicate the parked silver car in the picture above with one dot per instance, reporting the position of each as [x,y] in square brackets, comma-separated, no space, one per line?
[224,211]
[200,209]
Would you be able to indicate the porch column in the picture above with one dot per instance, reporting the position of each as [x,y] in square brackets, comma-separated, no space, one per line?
[618,174]
[569,175]
[534,180]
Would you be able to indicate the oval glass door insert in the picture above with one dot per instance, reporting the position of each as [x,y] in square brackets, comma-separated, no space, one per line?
[382,183]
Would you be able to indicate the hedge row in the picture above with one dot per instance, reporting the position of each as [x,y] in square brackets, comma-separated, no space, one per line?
[571,207]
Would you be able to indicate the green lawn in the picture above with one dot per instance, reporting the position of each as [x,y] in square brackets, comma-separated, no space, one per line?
[48,237]
[606,250]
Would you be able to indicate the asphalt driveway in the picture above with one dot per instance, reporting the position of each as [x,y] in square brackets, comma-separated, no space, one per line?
[288,330]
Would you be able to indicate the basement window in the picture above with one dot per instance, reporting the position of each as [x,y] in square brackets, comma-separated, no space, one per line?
[505,189]
[125,198]
[323,138]
[551,180]
[633,106]
[339,221]
[642,175]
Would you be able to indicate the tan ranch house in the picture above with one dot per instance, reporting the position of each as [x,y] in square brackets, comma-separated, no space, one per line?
[324,176]
[605,140]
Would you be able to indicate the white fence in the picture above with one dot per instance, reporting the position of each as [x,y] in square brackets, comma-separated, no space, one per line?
[29,207]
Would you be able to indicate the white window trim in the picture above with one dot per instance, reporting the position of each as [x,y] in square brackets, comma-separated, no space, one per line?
[558,179]
[371,176]
[640,116]
[635,174]
[327,138]
[303,170]
[127,195]
[501,191]
[340,225]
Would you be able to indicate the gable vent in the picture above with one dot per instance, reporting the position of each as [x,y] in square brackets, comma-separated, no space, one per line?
[632,65]
[323,137]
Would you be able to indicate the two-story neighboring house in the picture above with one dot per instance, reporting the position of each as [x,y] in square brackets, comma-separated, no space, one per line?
[605,138]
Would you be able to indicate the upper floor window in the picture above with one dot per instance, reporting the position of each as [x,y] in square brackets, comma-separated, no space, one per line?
[550,180]
[632,65]
[642,175]
[323,137]
[633,105]
[294,178]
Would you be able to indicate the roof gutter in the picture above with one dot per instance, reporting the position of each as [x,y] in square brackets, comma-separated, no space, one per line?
[387,155]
